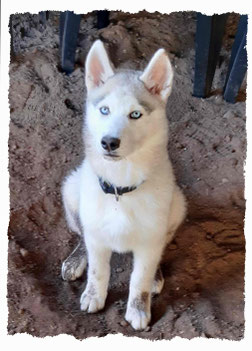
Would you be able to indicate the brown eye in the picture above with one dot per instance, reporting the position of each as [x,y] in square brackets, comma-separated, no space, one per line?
[135,114]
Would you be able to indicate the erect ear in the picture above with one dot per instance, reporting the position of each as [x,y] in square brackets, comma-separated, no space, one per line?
[98,66]
[157,76]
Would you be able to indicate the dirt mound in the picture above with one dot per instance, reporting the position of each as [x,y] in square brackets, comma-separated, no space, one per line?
[204,265]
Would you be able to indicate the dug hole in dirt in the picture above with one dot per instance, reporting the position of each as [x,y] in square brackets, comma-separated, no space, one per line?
[203,267]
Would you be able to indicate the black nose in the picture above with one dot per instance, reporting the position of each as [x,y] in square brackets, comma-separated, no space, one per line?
[110,144]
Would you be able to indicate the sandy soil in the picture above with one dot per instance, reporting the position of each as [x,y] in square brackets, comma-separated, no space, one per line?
[204,265]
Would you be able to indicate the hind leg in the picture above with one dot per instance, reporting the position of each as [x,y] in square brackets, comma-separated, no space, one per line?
[177,213]
[74,265]
[158,282]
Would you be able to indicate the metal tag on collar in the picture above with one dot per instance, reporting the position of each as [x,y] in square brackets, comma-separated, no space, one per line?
[116,194]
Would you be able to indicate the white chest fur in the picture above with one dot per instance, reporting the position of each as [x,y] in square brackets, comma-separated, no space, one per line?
[136,218]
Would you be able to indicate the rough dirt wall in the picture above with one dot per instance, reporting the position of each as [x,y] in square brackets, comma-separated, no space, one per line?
[204,265]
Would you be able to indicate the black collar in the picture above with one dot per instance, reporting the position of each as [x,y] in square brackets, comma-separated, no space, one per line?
[112,189]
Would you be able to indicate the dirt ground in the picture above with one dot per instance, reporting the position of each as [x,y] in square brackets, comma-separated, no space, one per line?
[204,266]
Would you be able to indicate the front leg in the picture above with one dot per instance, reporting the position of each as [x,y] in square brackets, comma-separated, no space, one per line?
[94,296]
[138,312]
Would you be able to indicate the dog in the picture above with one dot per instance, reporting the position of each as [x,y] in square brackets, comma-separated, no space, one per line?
[123,197]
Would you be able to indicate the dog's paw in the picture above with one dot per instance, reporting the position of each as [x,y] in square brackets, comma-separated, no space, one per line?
[73,267]
[137,318]
[138,311]
[91,302]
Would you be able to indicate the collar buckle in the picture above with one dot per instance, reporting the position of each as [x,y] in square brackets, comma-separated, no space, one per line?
[116,193]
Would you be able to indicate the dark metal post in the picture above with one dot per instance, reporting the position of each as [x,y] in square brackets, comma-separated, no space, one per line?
[102,19]
[69,29]
[12,51]
[43,17]
[238,62]
[209,34]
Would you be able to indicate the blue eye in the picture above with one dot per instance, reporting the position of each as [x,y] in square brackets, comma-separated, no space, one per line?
[104,110]
[135,114]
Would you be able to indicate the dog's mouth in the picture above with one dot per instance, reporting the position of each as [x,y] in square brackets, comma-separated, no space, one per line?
[112,157]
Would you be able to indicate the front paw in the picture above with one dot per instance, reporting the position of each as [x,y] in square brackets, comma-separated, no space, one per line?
[90,301]
[138,311]
[137,318]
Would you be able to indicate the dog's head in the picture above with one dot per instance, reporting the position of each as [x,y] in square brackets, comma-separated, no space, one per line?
[125,109]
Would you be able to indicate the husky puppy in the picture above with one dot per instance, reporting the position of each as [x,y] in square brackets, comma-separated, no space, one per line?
[123,197]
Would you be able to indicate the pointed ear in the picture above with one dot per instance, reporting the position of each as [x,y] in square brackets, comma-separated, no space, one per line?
[158,75]
[98,66]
